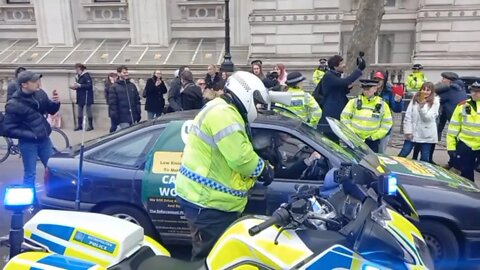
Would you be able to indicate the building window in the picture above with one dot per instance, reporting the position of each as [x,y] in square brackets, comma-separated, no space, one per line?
[390,47]
[385,48]
[390,3]
[18,1]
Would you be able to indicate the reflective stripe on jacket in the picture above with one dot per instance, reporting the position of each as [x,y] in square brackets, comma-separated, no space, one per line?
[368,117]
[304,106]
[219,164]
[465,126]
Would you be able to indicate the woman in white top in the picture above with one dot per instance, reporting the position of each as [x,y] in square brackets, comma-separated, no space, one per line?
[420,126]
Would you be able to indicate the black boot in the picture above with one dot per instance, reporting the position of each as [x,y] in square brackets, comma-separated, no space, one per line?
[90,124]
[79,125]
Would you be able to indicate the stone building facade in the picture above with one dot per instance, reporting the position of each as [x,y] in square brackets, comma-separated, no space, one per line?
[51,35]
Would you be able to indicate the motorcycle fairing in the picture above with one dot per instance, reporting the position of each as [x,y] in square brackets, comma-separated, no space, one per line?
[87,236]
[404,231]
[236,246]
[338,257]
[42,260]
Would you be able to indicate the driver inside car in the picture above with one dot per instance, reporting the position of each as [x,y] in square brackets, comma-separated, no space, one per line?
[291,158]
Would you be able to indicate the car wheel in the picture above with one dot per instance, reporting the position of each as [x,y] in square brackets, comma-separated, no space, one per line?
[442,243]
[133,215]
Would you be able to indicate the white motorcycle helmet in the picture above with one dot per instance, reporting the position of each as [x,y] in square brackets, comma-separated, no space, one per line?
[247,89]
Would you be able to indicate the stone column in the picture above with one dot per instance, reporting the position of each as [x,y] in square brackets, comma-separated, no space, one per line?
[55,25]
[149,22]
[239,12]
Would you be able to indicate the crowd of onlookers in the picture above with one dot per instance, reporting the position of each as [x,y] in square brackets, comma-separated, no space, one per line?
[431,107]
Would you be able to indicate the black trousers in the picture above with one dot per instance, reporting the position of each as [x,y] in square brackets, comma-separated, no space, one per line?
[374,145]
[466,160]
[206,227]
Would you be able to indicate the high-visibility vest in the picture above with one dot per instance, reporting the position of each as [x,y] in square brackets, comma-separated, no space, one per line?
[304,106]
[317,76]
[219,164]
[368,117]
[465,125]
[415,81]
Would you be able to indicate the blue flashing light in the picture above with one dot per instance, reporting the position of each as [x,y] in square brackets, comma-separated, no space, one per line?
[19,196]
[370,267]
[392,183]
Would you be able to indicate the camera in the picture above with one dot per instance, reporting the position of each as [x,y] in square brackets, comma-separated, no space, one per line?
[272,76]
[360,57]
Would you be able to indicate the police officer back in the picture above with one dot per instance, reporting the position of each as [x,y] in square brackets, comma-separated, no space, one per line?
[219,164]
[463,137]
[368,115]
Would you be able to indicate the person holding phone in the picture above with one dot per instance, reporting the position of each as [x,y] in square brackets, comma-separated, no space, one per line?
[394,101]
[153,92]
[420,126]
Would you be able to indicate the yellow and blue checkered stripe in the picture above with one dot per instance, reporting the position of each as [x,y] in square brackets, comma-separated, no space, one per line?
[211,183]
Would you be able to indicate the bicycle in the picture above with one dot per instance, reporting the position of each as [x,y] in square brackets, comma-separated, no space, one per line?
[9,147]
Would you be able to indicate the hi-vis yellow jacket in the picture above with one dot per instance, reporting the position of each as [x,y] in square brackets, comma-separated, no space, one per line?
[304,106]
[219,164]
[317,76]
[465,125]
[368,117]
[415,81]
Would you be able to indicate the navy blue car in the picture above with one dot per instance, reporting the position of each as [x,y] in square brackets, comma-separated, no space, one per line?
[131,174]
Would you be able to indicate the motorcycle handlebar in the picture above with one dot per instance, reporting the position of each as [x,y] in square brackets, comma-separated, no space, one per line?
[279,217]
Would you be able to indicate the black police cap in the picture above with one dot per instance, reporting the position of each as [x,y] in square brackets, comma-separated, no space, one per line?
[369,83]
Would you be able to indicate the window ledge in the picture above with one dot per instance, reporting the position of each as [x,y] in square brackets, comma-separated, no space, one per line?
[106,4]
[15,6]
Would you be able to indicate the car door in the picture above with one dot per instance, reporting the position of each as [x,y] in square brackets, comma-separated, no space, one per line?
[111,170]
[265,200]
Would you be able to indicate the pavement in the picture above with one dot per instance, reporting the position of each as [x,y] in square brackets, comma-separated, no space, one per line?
[11,172]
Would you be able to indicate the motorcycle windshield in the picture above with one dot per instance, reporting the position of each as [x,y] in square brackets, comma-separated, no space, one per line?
[370,160]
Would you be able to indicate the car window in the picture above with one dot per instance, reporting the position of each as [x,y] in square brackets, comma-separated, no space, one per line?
[129,152]
[290,156]
[342,151]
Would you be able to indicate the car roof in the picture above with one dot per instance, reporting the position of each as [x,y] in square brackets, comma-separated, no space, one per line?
[264,117]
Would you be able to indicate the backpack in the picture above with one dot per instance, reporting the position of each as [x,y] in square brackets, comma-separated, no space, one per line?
[318,94]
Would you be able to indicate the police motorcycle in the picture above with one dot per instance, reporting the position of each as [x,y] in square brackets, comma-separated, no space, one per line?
[309,232]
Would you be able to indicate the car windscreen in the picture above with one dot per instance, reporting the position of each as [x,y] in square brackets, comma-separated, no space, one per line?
[345,153]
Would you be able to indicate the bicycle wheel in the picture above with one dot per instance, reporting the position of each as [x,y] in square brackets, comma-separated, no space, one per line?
[59,140]
[4,149]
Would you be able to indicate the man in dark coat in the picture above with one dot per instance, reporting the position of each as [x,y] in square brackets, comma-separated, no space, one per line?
[174,95]
[335,90]
[84,87]
[192,98]
[25,120]
[124,101]
[451,92]
[13,86]
[153,92]
[212,77]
